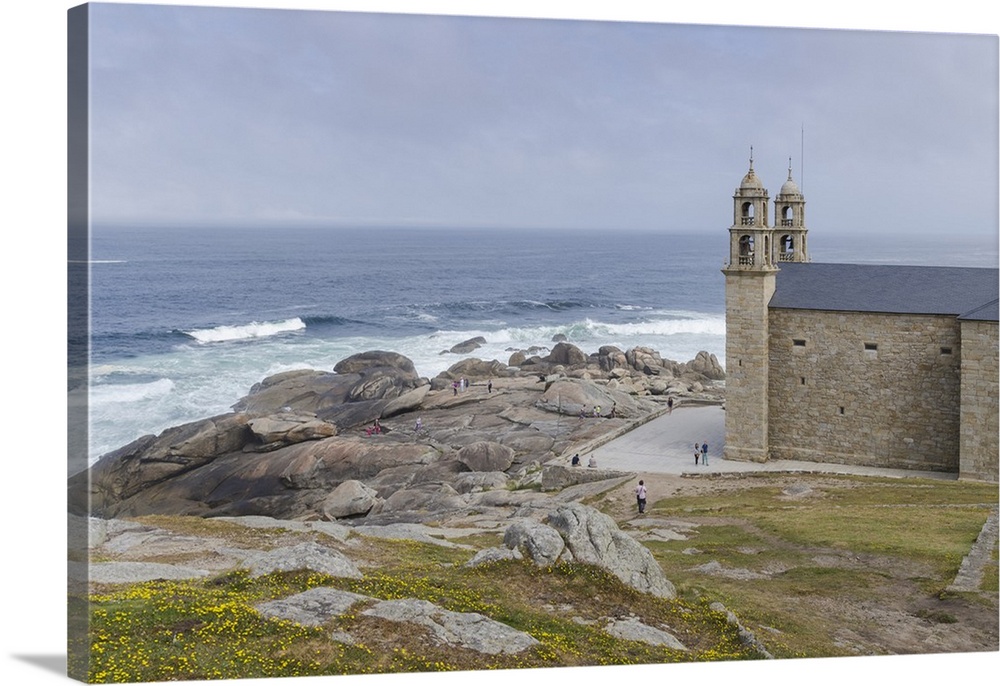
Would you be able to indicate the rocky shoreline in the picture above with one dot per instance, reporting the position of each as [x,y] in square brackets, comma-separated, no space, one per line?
[372,450]
[372,439]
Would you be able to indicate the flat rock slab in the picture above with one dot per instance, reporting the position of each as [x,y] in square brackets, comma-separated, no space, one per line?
[463,629]
[632,629]
[310,556]
[314,607]
[714,568]
[136,572]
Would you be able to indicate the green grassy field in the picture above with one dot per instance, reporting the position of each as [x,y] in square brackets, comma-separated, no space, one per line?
[806,562]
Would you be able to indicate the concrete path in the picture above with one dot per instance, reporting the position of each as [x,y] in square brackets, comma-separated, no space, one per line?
[665,445]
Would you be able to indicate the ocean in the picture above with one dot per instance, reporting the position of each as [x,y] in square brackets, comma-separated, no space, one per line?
[185,320]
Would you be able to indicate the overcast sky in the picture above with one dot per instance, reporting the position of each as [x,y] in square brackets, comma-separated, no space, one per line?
[861,111]
[235,116]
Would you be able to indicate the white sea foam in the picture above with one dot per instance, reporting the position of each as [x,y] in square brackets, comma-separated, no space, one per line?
[197,381]
[129,393]
[245,331]
[676,338]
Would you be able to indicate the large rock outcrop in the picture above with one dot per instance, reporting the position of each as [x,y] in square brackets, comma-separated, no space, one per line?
[576,532]
[594,538]
[293,442]
[486,456]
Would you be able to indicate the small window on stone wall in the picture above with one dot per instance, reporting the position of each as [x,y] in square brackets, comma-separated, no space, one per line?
[871,347]
[841,410]
[802,380]
[946,351]
[799,342]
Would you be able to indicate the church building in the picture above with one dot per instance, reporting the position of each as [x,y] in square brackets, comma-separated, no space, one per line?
[880,365]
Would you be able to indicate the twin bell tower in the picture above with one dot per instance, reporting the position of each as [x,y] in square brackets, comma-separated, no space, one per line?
[753,243]
[756,251]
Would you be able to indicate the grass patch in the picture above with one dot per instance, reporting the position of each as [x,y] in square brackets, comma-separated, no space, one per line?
[791,555]
[210,630]
[930,521]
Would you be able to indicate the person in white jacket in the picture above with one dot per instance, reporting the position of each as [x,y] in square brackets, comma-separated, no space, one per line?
[640,496]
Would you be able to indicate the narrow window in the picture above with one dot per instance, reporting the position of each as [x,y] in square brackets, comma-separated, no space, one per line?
[871,346]
[802,380]
[946,351]
[799,342]
[841,409]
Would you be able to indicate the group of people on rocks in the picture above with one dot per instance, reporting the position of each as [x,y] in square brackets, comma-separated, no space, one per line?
[596,412]
[463,385]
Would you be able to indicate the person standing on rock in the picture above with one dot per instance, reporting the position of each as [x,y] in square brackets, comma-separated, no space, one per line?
[670,405]
[489,386]
[640,496]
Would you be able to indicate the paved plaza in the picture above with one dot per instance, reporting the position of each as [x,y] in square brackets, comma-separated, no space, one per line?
[665,445]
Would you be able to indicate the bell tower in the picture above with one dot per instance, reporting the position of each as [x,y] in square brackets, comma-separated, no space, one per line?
[750,281]
[790,222]
[750,235]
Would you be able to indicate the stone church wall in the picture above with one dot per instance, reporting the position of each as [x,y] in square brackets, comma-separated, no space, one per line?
[868,389]
[980,426]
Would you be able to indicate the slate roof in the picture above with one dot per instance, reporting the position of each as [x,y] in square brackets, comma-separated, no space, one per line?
[966,292]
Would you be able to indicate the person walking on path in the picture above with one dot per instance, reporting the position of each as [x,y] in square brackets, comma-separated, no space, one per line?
[670,405]
[640,496]
[704,453]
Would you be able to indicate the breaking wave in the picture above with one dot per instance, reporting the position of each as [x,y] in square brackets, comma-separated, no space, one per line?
[246,331]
